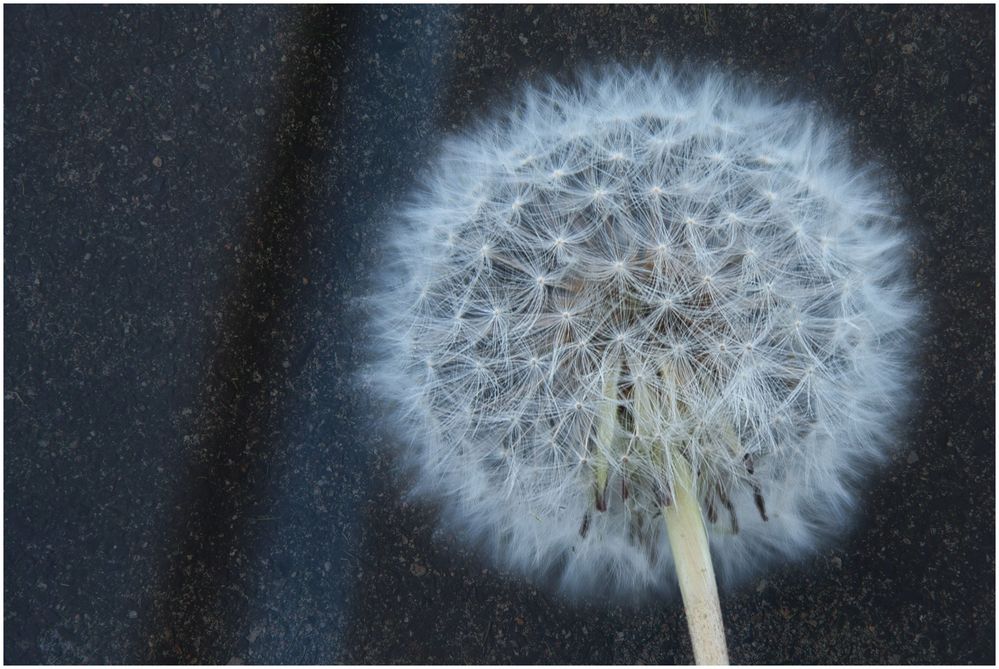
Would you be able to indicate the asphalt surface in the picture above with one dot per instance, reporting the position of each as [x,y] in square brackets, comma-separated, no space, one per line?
[193,201]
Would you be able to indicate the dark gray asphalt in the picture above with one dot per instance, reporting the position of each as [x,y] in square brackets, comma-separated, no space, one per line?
[193,201]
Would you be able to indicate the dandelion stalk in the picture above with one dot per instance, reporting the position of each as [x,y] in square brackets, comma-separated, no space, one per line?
[689,542]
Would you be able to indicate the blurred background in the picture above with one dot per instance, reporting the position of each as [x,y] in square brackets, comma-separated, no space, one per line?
[194,198]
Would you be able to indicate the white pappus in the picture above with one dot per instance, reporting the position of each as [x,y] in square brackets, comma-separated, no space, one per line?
[633,273]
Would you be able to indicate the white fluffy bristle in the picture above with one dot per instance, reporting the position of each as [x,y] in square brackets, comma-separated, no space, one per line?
[638,268]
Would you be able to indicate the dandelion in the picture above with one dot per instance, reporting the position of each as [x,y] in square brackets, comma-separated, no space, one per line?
[642,326]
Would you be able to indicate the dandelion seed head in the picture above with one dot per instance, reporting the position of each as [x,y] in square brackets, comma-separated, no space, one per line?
[609,277]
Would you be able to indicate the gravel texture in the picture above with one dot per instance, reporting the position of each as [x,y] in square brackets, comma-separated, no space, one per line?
[194,198]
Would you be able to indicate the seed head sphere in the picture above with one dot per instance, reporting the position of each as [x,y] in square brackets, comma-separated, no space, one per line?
[634,273]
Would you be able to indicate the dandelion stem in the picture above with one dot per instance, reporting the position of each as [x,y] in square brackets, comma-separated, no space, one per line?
[689,541]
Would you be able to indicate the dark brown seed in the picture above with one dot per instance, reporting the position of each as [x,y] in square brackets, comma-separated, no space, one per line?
[728,505]
[760,504]
[601,498]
